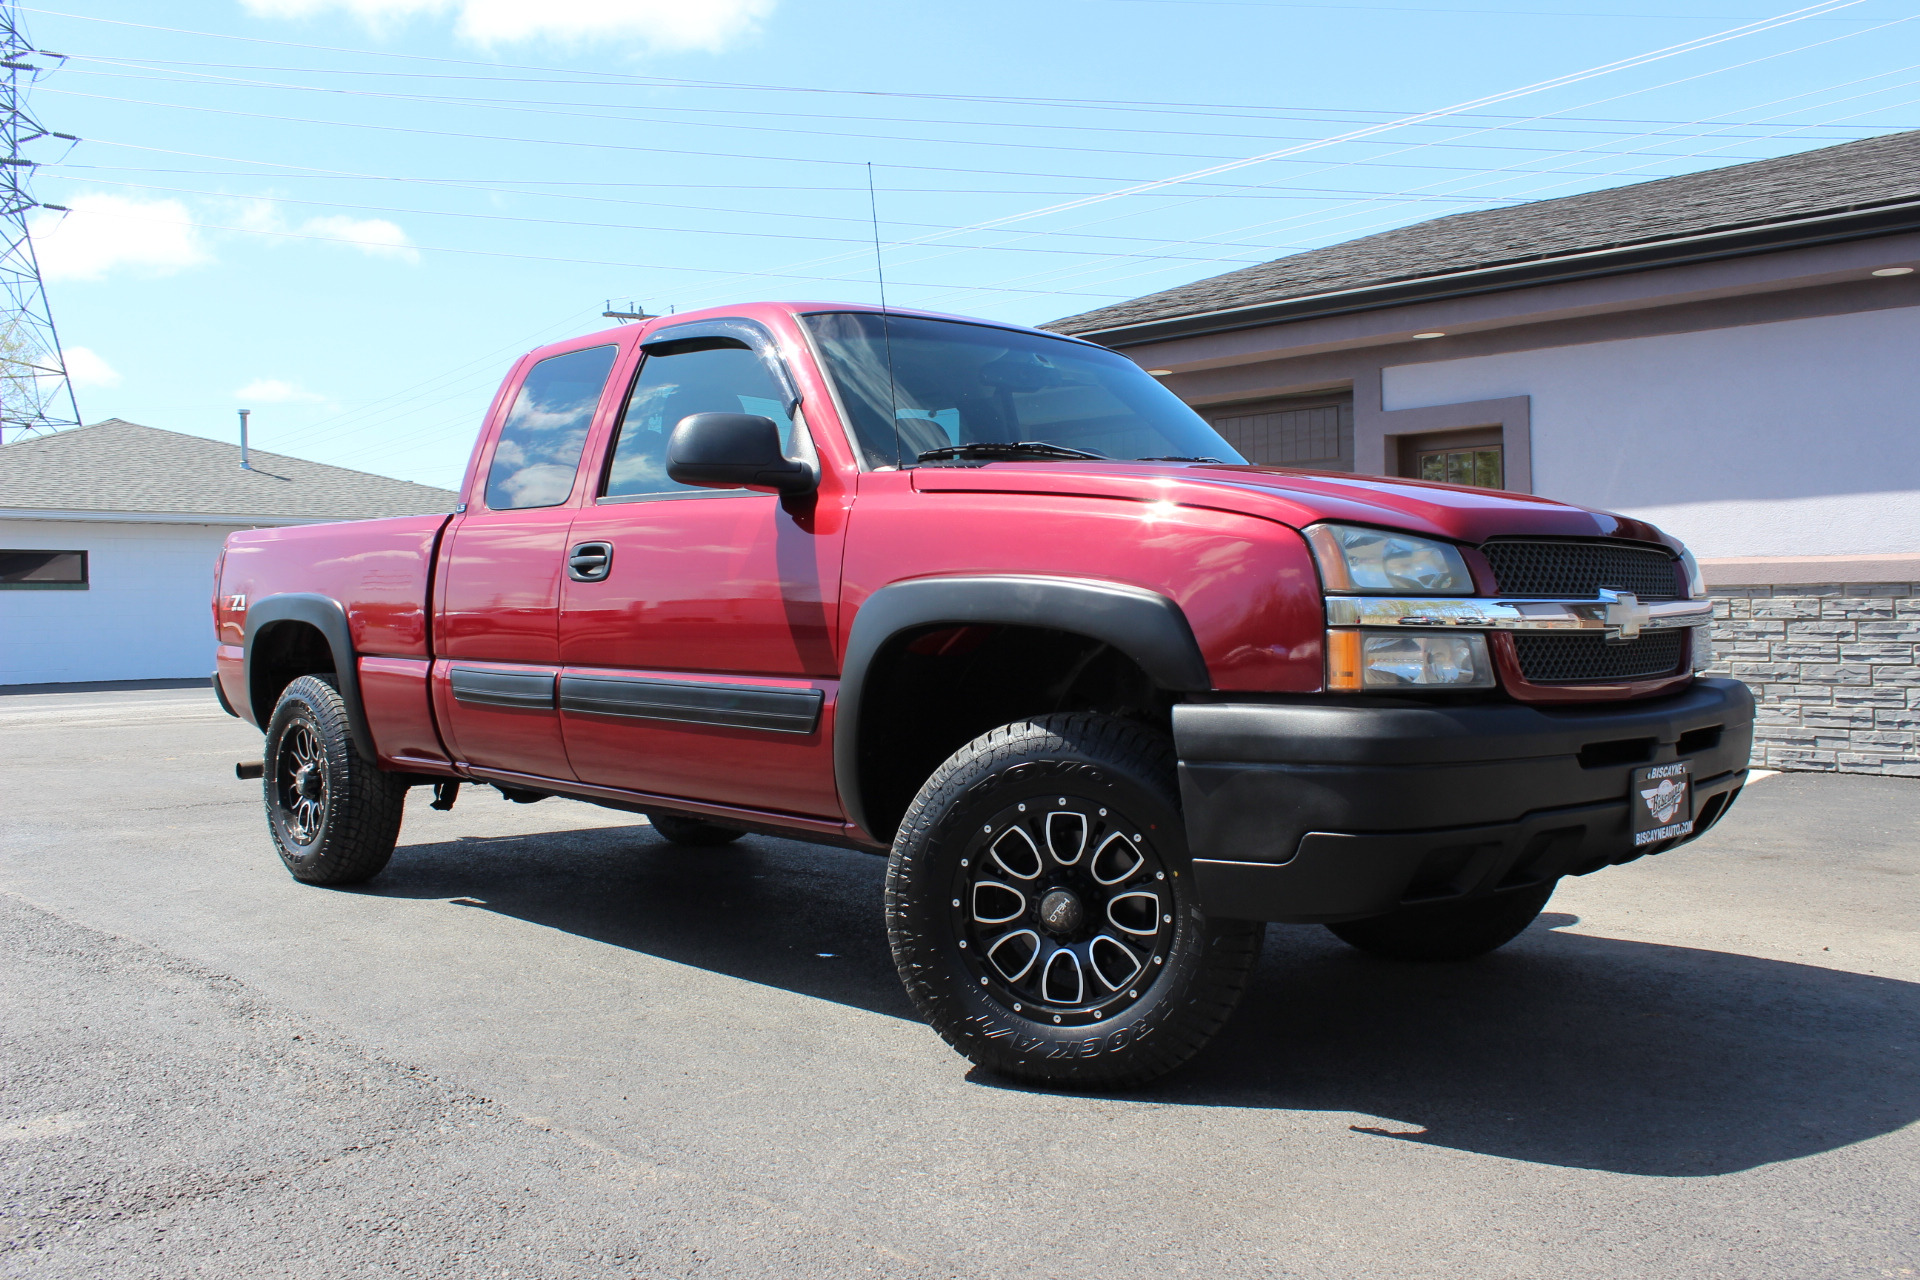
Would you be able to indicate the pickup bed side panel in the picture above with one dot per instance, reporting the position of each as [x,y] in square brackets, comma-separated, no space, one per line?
[376,572]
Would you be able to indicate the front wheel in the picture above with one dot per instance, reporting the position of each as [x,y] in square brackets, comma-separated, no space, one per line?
[334,815]
[1042,914]
[1447,931]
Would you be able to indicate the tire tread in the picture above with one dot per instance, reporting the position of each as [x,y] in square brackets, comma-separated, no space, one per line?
[364,815]
[1230,947]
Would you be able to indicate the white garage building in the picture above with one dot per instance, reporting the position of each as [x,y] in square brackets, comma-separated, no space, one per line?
[108,535]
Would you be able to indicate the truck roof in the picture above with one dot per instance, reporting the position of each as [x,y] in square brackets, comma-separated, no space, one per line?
[752,310]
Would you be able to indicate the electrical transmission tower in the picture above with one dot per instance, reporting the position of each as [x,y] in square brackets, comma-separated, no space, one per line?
[35,394]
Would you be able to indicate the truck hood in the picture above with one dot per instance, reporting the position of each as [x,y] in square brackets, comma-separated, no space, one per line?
[1300,498]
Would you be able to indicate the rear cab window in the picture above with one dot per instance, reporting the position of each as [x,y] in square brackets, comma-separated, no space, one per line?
[540,442]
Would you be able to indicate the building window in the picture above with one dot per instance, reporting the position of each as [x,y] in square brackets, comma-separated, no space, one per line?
[1312,432]
[1478,467]
[43,570]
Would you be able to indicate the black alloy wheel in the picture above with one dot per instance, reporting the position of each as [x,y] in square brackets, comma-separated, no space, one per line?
[300,783]
[1063,908]
[334,815]
[1042,913]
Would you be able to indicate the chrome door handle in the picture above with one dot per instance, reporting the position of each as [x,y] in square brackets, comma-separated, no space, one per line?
[590,562]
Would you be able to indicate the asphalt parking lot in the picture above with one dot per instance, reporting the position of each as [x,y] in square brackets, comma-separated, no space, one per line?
[545,1043]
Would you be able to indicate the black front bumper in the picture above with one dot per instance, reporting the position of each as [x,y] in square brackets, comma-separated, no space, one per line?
[1323,809]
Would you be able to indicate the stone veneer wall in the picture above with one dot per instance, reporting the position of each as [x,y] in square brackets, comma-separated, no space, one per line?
[1835,669]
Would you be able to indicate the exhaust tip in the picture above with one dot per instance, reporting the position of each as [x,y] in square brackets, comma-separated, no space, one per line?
[246,769]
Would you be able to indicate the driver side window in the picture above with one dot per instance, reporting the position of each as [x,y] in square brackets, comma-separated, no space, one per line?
[699,375]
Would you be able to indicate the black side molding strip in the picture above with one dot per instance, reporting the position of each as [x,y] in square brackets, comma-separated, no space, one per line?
[735,706]
[529,689]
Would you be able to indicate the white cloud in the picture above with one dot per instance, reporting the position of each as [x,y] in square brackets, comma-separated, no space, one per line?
[260,215]
[666,25]
[275,391]
[103,233]
[375,236]
[86,369]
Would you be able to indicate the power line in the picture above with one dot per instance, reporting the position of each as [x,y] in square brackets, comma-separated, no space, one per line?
[1656,55]
[1057,275]
[1256,189]
[489,253]
[624,226]
[1228,165]
[499,186]
[539,107]
[1491,13]
[611,77]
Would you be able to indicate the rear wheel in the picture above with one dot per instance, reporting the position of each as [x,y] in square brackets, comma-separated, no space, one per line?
[1448,931]
[1042,914]
[334,815]
[692,831]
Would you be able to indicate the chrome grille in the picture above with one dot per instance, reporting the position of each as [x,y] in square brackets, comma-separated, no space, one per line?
[1550,659]
[1580,569]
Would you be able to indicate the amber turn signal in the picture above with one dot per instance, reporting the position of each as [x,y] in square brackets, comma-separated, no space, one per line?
[1343,661]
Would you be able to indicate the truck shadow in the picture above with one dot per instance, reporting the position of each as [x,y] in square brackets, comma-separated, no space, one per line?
[787,915]
[1574,1050]
[1564,1049]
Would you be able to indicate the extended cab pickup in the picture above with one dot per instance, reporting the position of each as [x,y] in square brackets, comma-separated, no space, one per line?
[995,603]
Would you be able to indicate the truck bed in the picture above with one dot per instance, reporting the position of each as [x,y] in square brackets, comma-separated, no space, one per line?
[379,570]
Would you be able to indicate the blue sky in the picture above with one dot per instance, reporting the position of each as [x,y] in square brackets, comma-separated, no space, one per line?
[350,215]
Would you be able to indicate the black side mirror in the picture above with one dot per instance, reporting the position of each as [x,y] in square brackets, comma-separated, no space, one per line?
[735,451]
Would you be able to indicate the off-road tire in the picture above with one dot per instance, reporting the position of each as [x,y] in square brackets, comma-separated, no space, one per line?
[1114,772]
[1456,931]
[346,834]
[692,831]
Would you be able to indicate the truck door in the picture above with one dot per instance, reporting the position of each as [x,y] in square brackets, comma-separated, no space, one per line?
[696,627]
[498,647]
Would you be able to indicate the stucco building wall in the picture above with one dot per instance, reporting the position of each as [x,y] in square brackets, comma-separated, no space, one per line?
[1795,438]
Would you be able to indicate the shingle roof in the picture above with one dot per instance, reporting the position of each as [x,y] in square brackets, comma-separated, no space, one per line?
[1852,175]
[123,467]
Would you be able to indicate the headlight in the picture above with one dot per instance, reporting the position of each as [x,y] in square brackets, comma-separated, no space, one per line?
[1696,581]
[1352,558]
[1372,660]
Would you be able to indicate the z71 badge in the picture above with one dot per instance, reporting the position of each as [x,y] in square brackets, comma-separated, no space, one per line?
[1661,799]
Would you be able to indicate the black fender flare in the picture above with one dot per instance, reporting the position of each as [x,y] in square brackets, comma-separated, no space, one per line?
[1143,624]
[325,615]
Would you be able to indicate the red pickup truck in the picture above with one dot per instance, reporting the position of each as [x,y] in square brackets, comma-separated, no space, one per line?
[992,602]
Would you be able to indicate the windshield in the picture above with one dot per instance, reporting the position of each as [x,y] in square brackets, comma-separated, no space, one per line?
[961,384]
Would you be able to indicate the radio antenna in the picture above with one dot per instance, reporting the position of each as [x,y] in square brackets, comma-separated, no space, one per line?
[886,320]
[873,213]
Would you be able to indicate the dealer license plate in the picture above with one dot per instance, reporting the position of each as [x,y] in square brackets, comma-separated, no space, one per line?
[1662,802]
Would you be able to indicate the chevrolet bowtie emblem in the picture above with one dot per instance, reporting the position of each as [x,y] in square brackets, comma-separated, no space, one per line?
[1624,615]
